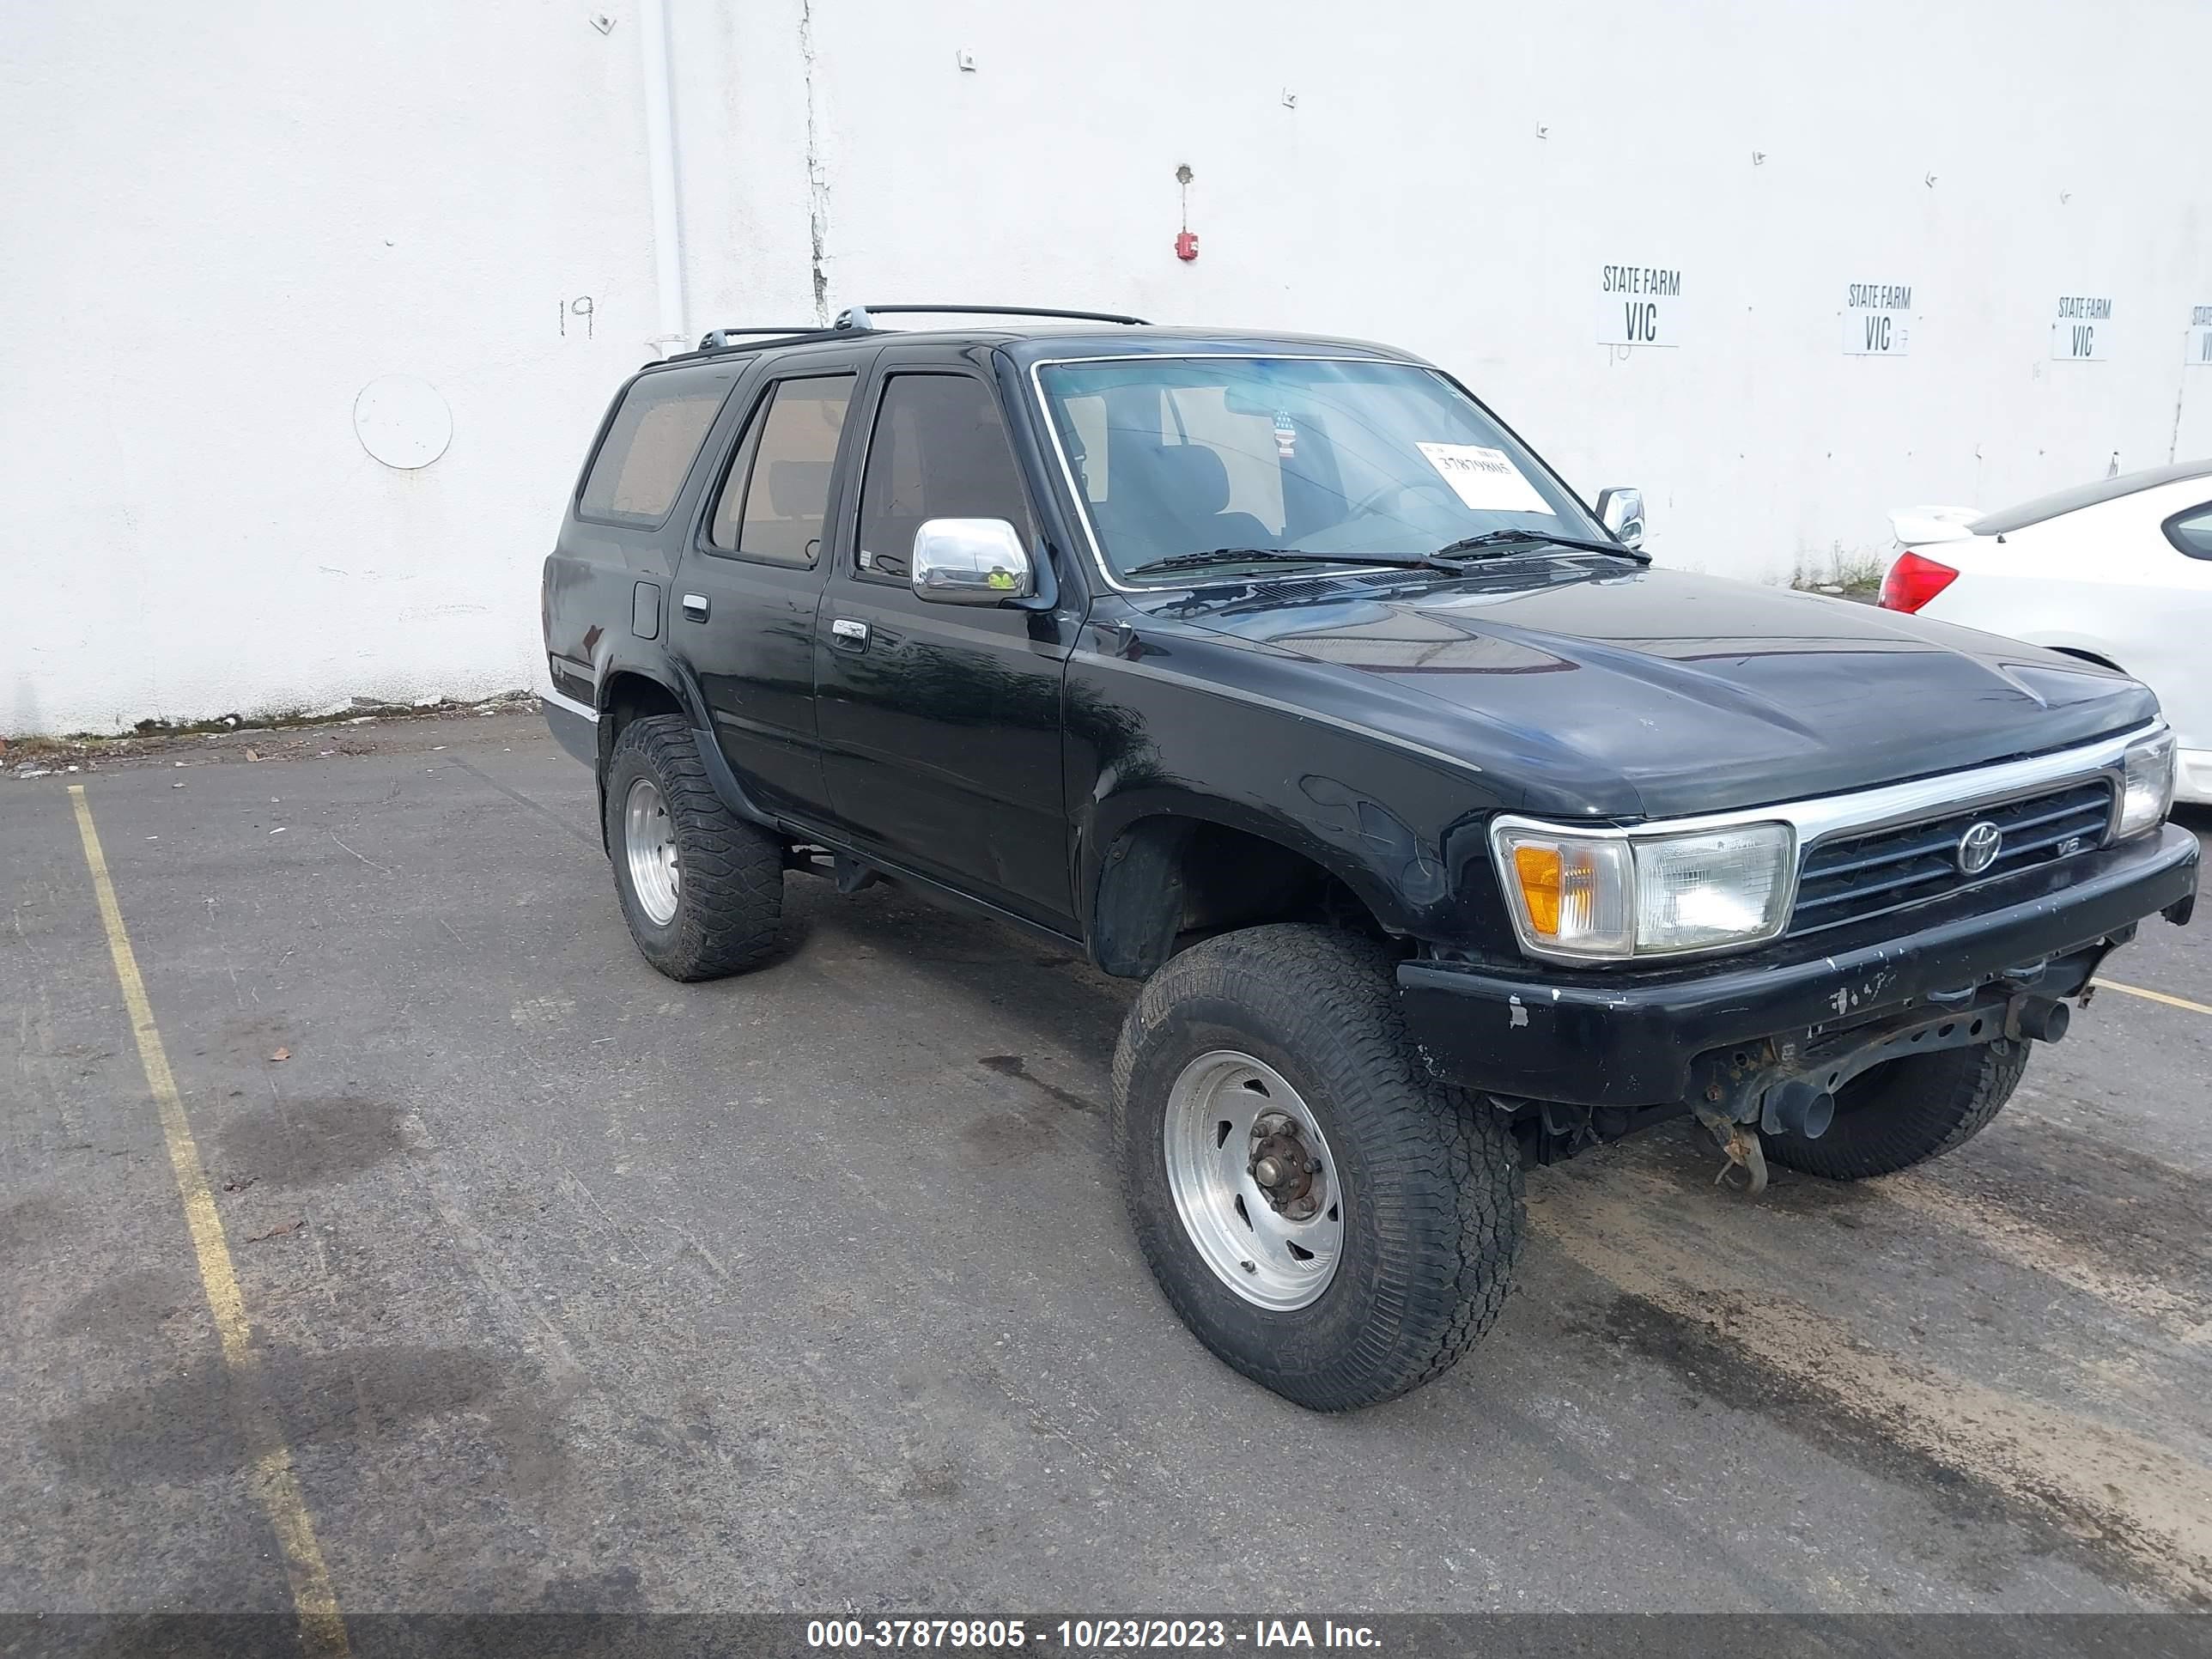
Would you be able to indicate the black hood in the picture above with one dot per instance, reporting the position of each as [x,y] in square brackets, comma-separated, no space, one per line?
[1655,692]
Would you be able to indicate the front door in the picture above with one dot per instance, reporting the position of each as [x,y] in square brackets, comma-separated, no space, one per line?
[750,584]
[940,723]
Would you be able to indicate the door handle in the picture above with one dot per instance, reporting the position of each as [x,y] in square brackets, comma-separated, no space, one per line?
[694,607]
[850,633]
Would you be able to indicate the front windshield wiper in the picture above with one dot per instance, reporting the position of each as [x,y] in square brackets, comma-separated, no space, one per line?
[1283,555]
[1495,543]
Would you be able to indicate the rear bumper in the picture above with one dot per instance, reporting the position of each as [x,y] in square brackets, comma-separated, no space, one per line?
[1630,1039]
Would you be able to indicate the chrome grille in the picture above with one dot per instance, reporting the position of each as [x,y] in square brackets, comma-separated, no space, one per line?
[1850,878]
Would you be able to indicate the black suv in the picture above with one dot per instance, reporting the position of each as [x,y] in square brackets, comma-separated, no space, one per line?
[1448,836]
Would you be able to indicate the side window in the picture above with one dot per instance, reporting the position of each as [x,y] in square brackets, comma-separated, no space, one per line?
[777,492]
[2191,530]
[649,447]
[938,451]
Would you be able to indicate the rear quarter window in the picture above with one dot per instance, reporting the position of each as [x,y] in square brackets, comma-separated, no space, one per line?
[649,447]
[2191,530]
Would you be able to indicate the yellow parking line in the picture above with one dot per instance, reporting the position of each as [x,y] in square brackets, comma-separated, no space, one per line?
[322,1630]
[2155,996]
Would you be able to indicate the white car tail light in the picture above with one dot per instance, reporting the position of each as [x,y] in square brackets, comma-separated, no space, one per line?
[1913,580]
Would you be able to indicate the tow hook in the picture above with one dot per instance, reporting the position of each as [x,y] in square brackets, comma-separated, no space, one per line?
[1745,1153]
[1739,1143]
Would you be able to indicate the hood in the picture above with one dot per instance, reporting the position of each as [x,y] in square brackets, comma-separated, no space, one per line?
[1653,692]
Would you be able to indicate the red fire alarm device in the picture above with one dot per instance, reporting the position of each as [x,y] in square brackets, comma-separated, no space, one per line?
[1187,246]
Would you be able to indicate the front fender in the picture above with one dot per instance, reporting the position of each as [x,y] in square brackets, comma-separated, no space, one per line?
[1164,721]
[1376,854]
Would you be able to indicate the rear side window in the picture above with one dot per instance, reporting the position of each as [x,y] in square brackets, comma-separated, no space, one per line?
[649,447]
[777,493]
[2191,530]
[938,451]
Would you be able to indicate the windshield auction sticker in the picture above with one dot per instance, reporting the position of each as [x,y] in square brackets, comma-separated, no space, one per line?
[1639,306]
[1484,478]
[2198,352]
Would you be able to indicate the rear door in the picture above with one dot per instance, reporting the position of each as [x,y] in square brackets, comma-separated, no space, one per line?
[2125,580]
[940,723]
[750,584]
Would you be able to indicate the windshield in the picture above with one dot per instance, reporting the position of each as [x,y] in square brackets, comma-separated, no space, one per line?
[1176,456]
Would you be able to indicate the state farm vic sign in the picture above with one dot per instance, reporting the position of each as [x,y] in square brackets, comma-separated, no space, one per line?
[1877,319]
[1640,305]
[2081,331]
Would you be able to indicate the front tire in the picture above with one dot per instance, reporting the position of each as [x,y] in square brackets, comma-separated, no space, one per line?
[1386,1247]
[702,889]
[1904,1112]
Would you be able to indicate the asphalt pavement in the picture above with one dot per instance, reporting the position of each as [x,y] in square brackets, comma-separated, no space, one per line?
[562,1286]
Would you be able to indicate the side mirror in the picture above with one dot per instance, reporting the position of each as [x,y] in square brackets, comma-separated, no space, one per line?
[1620,510]
[971,562]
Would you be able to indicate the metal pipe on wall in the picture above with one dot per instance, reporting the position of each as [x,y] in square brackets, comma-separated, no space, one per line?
[662,165]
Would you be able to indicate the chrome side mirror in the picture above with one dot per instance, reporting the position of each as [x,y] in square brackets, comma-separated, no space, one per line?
[1620,510]
[971,562]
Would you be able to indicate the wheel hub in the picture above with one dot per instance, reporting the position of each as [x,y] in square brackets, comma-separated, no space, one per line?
[1286,1173]
[1249,1168]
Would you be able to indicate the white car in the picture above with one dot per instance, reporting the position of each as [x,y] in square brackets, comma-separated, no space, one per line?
[2117,572]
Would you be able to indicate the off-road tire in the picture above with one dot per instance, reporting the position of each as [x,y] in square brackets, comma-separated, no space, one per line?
[1430,1178]
[1906,1111]
[729,901]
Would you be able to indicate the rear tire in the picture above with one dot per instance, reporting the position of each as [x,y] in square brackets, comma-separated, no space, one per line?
[1421,1181]
[702,889]
[1906,1111]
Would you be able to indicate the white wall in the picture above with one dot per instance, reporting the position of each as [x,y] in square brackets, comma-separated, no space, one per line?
[219,224]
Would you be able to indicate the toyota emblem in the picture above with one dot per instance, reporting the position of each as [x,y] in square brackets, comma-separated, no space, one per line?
[1977,847]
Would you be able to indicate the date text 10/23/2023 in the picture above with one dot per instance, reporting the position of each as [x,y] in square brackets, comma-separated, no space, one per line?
[1085,1635]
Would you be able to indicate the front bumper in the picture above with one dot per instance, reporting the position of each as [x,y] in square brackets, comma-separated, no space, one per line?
[1629,1038]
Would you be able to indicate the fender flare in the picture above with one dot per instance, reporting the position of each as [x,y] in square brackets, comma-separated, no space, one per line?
[675,677]
[1129,867]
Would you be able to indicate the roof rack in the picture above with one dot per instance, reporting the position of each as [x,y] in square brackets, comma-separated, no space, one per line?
[860,317]
[722,339]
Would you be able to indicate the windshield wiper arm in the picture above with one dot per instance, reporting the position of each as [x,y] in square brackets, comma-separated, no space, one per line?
[1282,556]
[1496,542]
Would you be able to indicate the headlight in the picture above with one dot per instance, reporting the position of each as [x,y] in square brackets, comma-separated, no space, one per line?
[2146,787]
[1604,897]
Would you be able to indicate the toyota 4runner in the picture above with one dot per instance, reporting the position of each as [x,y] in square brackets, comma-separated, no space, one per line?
[1448,836]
